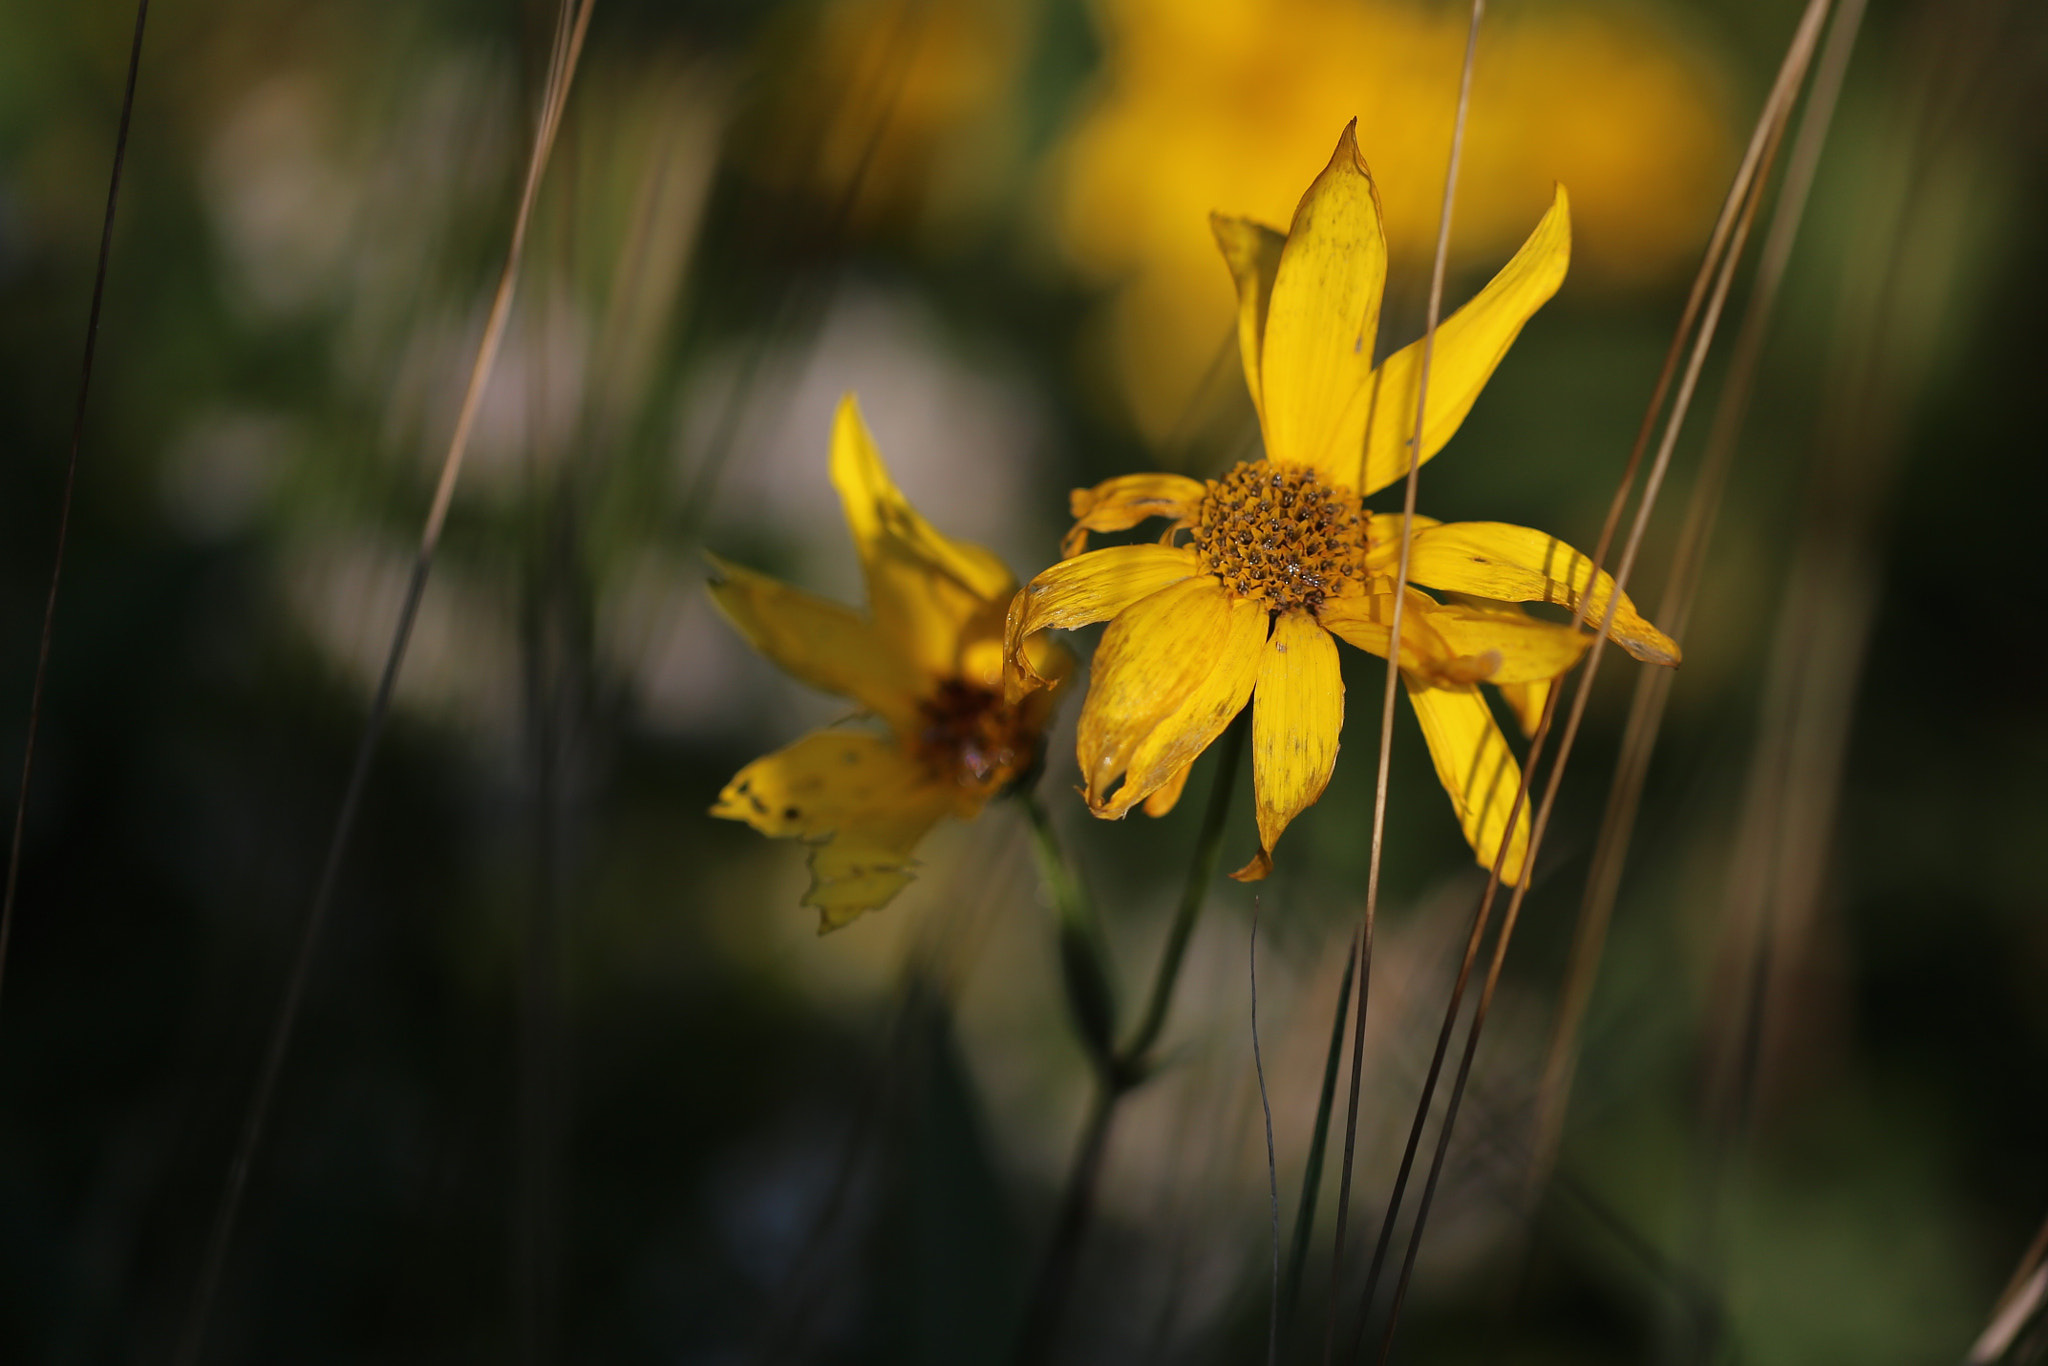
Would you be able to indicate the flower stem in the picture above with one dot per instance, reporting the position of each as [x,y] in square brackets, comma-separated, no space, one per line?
[1085,967]
[1119,1070]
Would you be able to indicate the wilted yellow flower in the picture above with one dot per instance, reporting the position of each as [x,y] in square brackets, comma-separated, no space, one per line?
[1281,556]
[1228,101]
[927,660]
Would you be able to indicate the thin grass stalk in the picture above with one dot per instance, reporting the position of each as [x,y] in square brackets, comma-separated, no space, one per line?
[1741,203]
[1318,1146]
[1887,323]
[1433,316]
[1653,686]
[1540,824]
[1272,1170]
[573,24]
[92,337]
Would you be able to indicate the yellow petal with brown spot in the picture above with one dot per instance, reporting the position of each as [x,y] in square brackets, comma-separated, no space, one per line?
[1476,767]
[1169,674]
[824,644]
[1297,715]
[857,799]
[1316,360]
[1469,346]
[1519,564]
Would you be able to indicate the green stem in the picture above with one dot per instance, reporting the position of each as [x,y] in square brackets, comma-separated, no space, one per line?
[1084,948]
[1119,1071]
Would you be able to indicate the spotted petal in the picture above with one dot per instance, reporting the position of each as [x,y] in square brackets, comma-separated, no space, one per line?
[860,802]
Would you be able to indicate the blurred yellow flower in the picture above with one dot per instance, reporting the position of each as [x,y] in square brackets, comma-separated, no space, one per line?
[894,108]
[927,660]
[1230,100]
[1281,556]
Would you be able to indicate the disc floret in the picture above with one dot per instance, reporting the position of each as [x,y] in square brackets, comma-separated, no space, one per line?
[1280,534]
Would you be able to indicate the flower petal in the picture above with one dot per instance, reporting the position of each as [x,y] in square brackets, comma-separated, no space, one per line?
[1170,673]
[1469,344]
[1519,564]
[1316,361]
[926,590]
[1088,588]
[1367,621]
[1167,795]
[1297,714]
[857,799]
[1520,648]
[1527,700]
[1252,251]
[1121,503]
[824,644]
[1476,767]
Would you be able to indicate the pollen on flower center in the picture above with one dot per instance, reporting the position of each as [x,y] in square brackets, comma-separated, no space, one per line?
[1281,535]
[972,738]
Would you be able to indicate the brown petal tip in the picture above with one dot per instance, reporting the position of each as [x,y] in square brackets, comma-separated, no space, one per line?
[1257,870]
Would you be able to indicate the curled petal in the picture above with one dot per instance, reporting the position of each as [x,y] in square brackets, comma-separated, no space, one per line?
[1469,345]
[1321,320]
[1169,675]
[1167,795]
[1088,588]
[1518,564]
[1121,503]
[858,800]
[1476,767]
[824,644]
[1297,715]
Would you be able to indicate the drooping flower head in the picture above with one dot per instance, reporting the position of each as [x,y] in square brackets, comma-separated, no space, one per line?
[1280,555]
[926,660]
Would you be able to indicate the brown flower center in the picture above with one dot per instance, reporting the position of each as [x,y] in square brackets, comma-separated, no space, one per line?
[1281,535]
[974,739]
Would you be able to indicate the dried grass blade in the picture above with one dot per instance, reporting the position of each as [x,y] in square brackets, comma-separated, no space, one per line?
[1653,686]
[1386,754]
[567,48]
[92,337]
[1744,193]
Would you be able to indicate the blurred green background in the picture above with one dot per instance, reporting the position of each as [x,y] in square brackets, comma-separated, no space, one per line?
[577,1080]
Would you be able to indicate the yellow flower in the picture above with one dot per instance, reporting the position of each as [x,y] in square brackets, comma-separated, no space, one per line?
[1281,556]
[1226,101]
[927,660]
